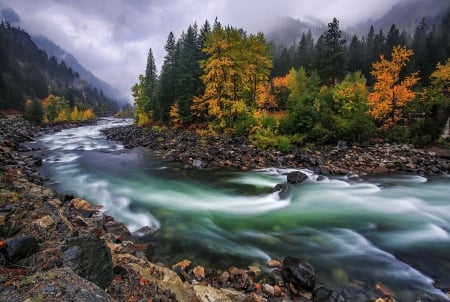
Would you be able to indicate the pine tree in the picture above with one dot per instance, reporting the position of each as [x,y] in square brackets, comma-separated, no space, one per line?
[151,76]
[166,96]
[332,58]
[305,52]
[187,73]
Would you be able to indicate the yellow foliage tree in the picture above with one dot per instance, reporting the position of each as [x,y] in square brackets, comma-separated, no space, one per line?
[440,78]
[88,114]
[174,113]
[61,117]
[236,65]
[391,92]
[75,115]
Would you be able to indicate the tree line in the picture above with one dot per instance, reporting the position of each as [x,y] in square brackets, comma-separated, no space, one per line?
[221,79]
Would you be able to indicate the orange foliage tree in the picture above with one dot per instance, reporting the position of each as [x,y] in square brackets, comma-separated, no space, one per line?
[391,92]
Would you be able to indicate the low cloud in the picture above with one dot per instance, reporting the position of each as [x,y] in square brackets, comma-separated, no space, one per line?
[111,38]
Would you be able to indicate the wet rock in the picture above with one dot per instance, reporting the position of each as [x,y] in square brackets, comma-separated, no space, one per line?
[273,263]
[325,295]
[299,273]
[296,177]
[119,230]
[90,258]
[199,164]
[143,234]
[21,247]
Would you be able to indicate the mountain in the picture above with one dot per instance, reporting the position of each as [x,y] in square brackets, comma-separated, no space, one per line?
[63,56]
[406,15]
[288,31]
[29,72]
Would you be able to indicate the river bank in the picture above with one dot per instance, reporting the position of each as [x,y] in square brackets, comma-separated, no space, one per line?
[236,152]
[50,240]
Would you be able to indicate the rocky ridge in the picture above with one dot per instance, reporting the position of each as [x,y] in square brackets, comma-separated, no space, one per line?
[61,248]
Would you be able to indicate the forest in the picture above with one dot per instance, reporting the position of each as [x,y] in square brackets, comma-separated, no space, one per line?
[390,86]
[33,82]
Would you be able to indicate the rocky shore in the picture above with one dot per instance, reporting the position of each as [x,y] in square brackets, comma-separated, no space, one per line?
[61,248]
[228,151]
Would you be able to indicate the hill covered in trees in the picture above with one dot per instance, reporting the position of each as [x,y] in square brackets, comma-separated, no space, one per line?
[221,79]
[26,72]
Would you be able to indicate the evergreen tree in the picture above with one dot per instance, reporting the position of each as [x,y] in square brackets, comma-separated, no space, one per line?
[151,76]
[305,52]
[188,84]
[332,58]
[355,55]
[167,83]
[34,111]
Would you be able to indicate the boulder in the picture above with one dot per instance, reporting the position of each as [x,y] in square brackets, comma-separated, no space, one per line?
[21,247]
[90,258]
[325,295]
[299,273]
[296,177]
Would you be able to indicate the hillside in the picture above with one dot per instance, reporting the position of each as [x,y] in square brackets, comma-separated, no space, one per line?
[406,15]
[62,55]
[28,72]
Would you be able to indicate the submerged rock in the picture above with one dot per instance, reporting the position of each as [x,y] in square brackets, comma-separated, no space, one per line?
[325,295]
[299,273]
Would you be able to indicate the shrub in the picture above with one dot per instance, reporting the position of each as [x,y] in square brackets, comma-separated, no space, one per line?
[283,143]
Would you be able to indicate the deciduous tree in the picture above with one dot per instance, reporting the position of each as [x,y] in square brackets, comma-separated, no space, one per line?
[391,91]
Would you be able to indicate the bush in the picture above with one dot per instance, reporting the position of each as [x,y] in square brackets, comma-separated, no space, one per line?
[283,143]
[244,124]
[398,134]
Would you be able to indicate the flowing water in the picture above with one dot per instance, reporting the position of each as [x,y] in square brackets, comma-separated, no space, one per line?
[393,229]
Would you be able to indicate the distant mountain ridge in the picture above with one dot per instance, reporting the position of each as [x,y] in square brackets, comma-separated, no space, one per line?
[406,15]
[27,72]
[61,55]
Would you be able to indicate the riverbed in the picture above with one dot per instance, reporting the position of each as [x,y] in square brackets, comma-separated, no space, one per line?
[392,229]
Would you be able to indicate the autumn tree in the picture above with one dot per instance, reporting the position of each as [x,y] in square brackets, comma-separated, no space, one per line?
[235,67]
[141,101]
[391,91]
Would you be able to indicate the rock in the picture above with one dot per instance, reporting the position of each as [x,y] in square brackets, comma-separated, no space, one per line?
[273,263]
[182,264]
[45,222]
[79,203]
[268,289]
[298,272]
[255,270]
[119,230]
[325,295]
[143,235]
[236,271]
[199,164]
[296,177]
[199,273]
[21,247]
[208,294]
[90,258]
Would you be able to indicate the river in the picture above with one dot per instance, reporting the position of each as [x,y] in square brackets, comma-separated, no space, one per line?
[393,229]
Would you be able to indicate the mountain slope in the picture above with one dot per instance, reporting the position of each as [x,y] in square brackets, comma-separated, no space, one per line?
[28,72]
[62,55]
[406,15]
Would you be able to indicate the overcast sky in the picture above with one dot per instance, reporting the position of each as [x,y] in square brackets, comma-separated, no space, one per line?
[111,38]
